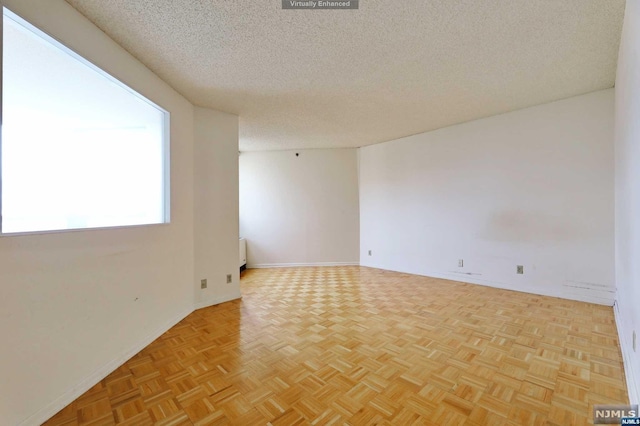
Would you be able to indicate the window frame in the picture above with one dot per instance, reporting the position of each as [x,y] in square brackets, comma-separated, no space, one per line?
[166,127]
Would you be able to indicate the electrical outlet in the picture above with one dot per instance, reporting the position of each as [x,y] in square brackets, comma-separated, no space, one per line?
[520,269]
[203,284]
[460,263]
[634,341]
[369,252]
[228,278]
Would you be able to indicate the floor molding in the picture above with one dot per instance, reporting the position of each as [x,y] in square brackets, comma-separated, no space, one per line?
[294,265]
[542,291]
[70,395]
[218,300]
[469,278]
[627,356]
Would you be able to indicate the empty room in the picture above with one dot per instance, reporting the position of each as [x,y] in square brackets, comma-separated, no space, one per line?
[348,212]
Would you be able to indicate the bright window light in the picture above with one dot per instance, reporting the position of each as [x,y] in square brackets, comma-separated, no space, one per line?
[79,149]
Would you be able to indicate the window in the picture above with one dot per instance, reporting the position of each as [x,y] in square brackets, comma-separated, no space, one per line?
[79,149]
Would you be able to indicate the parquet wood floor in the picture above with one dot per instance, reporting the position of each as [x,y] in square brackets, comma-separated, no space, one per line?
[361,346]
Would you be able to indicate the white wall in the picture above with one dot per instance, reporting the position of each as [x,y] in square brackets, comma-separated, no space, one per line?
[75,305]
[299,210]
[627,190]
[532,187]
[216,206]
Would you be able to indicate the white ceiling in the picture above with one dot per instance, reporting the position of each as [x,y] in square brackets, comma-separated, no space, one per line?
[348,78]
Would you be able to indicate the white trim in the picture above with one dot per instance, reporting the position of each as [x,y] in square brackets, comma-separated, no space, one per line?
[295,265]
[48,411]
[218,300]
[542,291]
[627,357]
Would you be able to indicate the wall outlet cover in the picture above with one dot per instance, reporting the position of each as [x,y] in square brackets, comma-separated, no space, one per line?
[203,284]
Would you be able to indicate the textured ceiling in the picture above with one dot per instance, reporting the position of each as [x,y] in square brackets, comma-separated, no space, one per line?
[347,78]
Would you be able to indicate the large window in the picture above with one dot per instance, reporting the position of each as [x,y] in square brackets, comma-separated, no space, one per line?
[79,149]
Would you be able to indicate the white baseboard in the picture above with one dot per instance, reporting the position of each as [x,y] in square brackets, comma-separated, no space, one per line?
[627,350]
[294,265]
[560,293]
[48,411]
[595,298]
[218,300]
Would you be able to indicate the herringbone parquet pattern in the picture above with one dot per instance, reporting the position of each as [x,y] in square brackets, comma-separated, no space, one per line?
[360,346]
